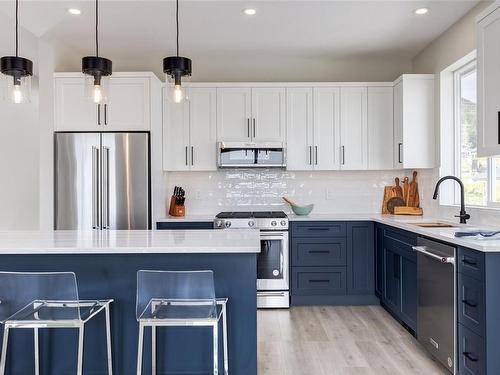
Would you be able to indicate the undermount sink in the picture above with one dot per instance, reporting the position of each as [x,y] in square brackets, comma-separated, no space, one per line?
[435,225]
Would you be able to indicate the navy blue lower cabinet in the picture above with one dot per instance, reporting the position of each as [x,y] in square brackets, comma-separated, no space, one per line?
[173,225]
[409,293]
[379,262]
[319,281]
[471,304]
[471,353]
[392,278]
[318,251]
[360,258]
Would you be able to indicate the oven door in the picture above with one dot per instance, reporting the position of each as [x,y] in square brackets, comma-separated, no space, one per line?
[272,261]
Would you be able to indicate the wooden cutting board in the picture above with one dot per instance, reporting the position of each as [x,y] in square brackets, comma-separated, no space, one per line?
[389,192]
[406,188]
[413,196]
[398,190]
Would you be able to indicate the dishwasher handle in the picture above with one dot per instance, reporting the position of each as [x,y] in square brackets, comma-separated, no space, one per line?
[424,250]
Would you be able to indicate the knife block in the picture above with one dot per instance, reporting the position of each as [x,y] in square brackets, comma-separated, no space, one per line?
[177,210]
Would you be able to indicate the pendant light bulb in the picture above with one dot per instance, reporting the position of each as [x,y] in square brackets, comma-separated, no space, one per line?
[17,94]
[97,94]
[178,94]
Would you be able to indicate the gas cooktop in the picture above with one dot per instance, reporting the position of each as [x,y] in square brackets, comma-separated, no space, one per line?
[252,214]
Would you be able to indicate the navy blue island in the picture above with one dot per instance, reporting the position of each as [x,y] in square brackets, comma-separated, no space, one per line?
[106,264]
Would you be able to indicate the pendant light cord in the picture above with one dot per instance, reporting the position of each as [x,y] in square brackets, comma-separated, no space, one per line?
[177,23]
[97,28]
[17,28]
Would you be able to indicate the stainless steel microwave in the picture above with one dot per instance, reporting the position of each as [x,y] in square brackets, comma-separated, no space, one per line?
[251,155]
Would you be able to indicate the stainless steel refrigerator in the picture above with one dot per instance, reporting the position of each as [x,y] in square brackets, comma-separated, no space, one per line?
[102,181]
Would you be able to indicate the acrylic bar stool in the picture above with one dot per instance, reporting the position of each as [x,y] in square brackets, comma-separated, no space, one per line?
[47,300]
[179,299]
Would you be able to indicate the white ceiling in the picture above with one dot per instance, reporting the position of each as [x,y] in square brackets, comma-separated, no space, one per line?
[307,39]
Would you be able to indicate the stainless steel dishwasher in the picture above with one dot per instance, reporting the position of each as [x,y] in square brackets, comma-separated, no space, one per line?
[436,314]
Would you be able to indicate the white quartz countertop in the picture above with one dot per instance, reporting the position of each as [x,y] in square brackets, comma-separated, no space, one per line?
[408,223]
[130,242]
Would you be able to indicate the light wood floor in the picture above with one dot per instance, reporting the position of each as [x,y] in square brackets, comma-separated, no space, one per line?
[338,340]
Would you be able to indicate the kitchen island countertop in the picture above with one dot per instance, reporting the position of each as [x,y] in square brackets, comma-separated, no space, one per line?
[129,242]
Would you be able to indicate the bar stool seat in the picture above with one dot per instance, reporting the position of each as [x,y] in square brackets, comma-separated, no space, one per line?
[181,299]
[57,306]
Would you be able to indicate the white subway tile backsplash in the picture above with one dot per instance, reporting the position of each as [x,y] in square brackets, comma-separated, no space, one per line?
[251,189]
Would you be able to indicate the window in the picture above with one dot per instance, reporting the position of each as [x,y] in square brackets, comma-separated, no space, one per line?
[479,175]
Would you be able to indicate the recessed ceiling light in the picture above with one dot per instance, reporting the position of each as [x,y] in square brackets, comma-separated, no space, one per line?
[250,11]
[421,11]
[74,11]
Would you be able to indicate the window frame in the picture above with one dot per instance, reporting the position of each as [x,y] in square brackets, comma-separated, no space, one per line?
[458,73]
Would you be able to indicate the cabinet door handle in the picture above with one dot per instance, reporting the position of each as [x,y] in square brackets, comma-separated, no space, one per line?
[470,304]
[98,114]
[254,128]
[248,127]
[319,281]
[316,154]
[310,155]
[343,155]
[400,145]
[105,114]
[470,357]
[469,263]
[192,155]
[187,155]
[498,127]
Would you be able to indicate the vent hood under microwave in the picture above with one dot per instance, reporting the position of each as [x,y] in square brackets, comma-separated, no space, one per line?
[251,155]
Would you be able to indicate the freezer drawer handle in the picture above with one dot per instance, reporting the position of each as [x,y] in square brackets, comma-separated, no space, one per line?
[423,250]
[470,357]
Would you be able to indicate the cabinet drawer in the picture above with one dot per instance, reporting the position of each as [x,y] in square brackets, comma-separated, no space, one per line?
[471,263]
[318,229]
[318,281]
[471,352]
[471,304]
[319,252]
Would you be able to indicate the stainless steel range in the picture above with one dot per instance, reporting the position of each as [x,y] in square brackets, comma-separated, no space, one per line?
[272,261]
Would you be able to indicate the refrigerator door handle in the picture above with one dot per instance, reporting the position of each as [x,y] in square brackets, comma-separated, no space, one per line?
[105,187]
[95,188]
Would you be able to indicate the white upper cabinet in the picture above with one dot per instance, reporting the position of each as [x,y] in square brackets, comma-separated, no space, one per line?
[325,149]
[268,114]
[129,106]
[251,114]
[414,132]
[488,93]
[189,132]
[74,112]
[299,131]
[202,129]
[234,112]
[380,128]
[353,128]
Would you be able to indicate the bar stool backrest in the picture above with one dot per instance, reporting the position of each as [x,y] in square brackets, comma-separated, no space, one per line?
[172,286]
[38,296]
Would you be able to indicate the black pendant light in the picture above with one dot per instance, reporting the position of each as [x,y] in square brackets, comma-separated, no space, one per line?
[176,67]
[18,72]
[97,69]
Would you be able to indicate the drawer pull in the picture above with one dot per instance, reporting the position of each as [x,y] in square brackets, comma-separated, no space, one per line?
[470,357]
[318,229]
[470,304]
[469,263]
[319,281]
[319,251]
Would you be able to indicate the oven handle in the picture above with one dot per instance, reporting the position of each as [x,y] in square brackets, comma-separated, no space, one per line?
[423,250]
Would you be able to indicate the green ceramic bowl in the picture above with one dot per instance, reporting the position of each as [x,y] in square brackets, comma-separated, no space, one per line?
[302,210]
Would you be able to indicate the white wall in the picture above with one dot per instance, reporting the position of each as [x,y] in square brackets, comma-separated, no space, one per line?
[456,42]
[19,142]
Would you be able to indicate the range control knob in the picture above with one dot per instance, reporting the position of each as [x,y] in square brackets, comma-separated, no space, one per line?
[251,223]
[219,224]
[273,223]
[283,223]
[228,224]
